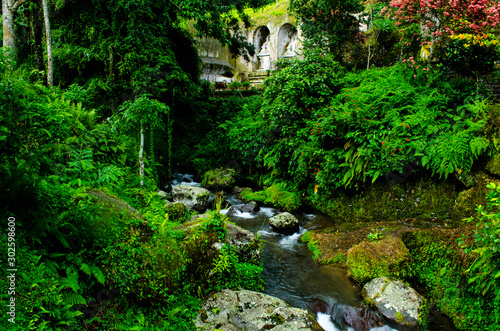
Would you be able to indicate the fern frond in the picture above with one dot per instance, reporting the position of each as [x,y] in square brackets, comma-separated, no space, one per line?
[73,299]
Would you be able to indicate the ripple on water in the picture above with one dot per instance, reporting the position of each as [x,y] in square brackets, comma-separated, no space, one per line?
[267,211]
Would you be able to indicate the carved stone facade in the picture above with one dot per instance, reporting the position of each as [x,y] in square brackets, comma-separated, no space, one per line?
[273,40]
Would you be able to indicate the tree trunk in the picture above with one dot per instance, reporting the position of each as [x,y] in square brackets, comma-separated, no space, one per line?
[141,159]
[50,68]
[9,8]
[37,36]
[9,36]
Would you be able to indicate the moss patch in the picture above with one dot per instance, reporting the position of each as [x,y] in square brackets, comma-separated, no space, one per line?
[422,199]
[276,195]
[218,179]
[369,260]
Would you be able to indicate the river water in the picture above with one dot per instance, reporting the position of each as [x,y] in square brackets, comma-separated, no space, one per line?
[292,275]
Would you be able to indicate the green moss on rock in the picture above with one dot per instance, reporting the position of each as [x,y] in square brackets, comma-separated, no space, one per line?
[218,179]
[493,165]
[276,195]
[176,211]
[370,260]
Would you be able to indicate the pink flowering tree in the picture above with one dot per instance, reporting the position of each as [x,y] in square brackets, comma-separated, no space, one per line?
[438,19]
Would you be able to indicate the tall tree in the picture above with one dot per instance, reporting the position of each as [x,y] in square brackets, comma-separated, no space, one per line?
[328,24]
[9,9]
[440,19]
[48,38]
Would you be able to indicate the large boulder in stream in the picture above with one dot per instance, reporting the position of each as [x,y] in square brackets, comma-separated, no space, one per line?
[252,311]
[246,245]
[284,223]
[251,207]
[193,197]
[394,300]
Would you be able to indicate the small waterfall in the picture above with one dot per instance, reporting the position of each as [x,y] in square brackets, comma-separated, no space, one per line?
[290,241]
[325,322]
[184,179]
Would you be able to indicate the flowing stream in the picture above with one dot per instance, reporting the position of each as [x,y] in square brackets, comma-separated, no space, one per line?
[292,275]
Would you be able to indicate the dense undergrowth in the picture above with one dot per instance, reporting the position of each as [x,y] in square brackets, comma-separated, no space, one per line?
[81,264]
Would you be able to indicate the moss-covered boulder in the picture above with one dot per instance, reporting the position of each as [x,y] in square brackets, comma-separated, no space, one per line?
[175,210]
[218,179]
[276,195]
[395,300]
[114,204]
[284,223]
[196,198]
[370,260]
[247,310]
[246,245]
[493,165]
[467,200]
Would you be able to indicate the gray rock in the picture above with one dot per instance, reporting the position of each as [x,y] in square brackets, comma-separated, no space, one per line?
[250,207]
[199,217]
[252,311]
[361,319]
[238,190]
[246,245]
[284,223]
[394,300]
[163,194]
[232,211]
[191,196]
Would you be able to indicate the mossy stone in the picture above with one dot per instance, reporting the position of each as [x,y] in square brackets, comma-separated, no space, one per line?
[370,260]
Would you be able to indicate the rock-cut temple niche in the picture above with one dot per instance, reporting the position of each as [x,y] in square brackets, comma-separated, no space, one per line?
[262,48]
[287,41]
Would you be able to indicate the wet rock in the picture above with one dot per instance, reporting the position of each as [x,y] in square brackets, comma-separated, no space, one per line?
[361,319]
[250,207]
[369,260]
[163,194]
[218,179]
[193,197]
[284,223]
[175,210]
[252,311]
[394,300]
[238,190]
[232,211]
[246,245]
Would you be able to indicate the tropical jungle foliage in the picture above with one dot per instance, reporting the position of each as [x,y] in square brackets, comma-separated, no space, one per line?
[128,109]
